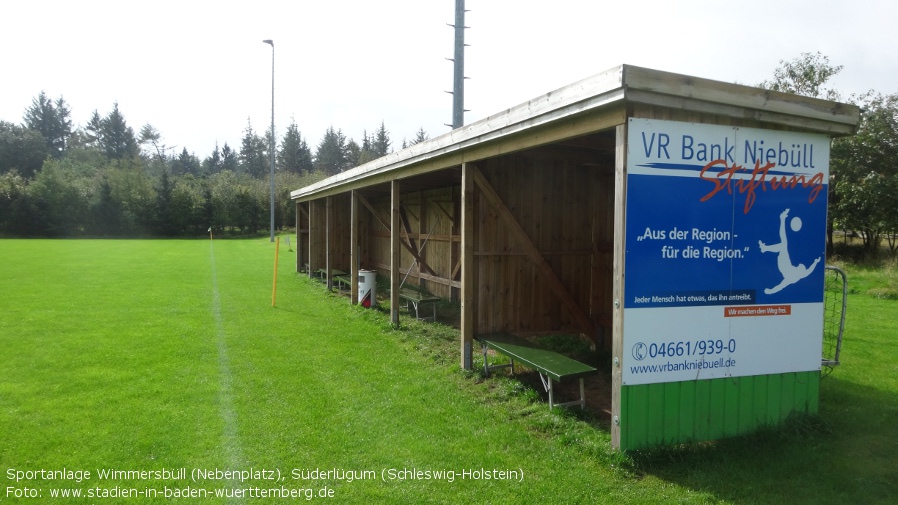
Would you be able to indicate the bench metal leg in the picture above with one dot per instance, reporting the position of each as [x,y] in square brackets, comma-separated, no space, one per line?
[486,366]
[547,385]
[582,395]
[551,399]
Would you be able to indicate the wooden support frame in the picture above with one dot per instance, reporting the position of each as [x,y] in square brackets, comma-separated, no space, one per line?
[396,226]
[354,260]
[580,316]
[299,262]
[328,252]
[617,325]
[468,289]
[411,246]
[395,252]
[312,258]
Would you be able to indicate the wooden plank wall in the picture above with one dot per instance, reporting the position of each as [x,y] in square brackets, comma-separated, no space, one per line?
[431,219]
[340,228]
[566,209]
[302,236]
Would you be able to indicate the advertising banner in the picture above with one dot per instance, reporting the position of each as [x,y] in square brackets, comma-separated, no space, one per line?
[725,250]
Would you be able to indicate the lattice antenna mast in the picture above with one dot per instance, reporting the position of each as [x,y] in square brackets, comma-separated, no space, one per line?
[458,80]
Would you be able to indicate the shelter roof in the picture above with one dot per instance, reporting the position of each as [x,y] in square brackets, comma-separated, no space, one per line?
[607,94]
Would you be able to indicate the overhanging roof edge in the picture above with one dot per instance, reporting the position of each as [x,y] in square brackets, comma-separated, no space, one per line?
[594,91]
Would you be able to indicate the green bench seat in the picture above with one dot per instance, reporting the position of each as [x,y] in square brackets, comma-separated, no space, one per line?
[416,299]
[342,282]
[322,273]
[551,366]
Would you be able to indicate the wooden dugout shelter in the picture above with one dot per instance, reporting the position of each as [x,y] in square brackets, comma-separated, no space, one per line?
[520,218]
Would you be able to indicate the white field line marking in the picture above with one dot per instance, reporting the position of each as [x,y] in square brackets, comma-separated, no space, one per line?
[231,439]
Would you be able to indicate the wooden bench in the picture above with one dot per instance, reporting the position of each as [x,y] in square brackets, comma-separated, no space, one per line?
[550,365]
[416,299]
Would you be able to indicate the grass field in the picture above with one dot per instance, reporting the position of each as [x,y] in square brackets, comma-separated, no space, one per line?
[139,356]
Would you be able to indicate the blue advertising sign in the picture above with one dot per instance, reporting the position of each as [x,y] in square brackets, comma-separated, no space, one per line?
[725,249]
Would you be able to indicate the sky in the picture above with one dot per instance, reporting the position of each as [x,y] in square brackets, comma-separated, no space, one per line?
[199,73]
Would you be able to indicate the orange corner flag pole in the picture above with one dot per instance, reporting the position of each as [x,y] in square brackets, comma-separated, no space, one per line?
[274,286]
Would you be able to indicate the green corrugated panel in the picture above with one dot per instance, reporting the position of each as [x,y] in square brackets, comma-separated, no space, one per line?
[656,410]
[813,379]
[702,410]
[746,396]
[671,413]
[731,409]
[687,404]
[718,414]
[692,411]
[774,392]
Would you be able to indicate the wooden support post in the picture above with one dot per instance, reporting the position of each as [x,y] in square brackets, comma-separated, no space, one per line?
[468,298]
[354,248]
[302,236]
[328,256]
[395,252]
[313,258]
[298,237]
[617,328]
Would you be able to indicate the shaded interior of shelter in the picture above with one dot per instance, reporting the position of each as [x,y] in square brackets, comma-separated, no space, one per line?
[542,245]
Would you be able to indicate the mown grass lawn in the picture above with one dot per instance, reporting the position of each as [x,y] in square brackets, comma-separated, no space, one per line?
[144,355]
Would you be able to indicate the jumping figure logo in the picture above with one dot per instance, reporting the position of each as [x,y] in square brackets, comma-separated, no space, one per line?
[791,273]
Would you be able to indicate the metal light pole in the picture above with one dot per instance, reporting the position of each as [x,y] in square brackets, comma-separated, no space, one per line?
[271,145]
[458,81]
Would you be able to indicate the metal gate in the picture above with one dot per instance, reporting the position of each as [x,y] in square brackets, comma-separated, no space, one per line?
[835,302]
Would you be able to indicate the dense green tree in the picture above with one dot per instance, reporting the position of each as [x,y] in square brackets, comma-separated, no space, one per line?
[294,156]
[330,157]
[61,199]
[229,159]
[204,211]
[15,213]
[52,120]
[381,144]
[106,213]
[806,75]
[866,174]
[135,191]
[21,149]
[116,138]
[420,136]
[150,137]
[93,130]
[253,153]
[353,153]
[366,152]
[212,164]
[186,163]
